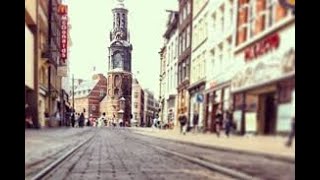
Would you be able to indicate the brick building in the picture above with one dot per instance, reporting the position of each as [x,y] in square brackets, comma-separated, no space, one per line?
[89,94]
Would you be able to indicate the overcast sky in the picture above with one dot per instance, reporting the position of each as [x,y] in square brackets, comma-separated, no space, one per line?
[91,21]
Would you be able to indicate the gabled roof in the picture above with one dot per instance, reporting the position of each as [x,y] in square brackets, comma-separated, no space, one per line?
[85,88]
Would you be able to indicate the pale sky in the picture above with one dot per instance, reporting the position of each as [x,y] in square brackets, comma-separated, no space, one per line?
[91,21]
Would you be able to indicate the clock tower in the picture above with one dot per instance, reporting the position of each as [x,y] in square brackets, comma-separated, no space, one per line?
[119,81]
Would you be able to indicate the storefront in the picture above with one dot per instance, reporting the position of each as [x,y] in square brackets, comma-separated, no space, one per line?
[262,88]
[196,92]
[216,96]
[171,108]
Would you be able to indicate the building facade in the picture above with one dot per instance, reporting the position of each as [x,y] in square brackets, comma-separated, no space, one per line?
[171,67]
[151,107]
[265,61]
[89,94]
[31,59]
[163,84]
[138,103]
[184,54]
[198,59]
[119,66]
[221,63]
[45,94]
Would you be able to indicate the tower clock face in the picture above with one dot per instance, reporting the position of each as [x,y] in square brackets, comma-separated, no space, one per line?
[118,60]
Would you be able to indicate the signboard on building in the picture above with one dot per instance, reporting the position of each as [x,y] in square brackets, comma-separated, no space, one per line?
[63,11]
[262,47]
[199,98]
[271,68]
[62,71]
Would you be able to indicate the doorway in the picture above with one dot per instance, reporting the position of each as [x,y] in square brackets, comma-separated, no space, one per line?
[268,113]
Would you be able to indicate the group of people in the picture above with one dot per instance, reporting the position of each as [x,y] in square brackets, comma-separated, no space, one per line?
[221,120]
[78,120]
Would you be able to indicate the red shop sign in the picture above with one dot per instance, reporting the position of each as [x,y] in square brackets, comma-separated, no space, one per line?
[62,9]
[262,47]
[64,38]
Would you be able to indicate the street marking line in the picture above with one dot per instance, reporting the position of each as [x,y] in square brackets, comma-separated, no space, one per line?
[210,165]
[50,167]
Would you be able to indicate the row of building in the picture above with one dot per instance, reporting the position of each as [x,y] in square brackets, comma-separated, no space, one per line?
[47,42]
[90,97]
[236,55]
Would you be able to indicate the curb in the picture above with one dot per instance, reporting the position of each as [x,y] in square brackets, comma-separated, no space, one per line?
[269,156]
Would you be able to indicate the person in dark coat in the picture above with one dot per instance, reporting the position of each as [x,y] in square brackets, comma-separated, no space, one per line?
[183,122]
[195,121]
[81,120]
[219,121]
[228,123]
[73,120]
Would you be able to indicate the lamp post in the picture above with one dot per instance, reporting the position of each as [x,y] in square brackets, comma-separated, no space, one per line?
[121,109]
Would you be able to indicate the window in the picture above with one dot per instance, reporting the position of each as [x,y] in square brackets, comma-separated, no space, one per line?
[176,47]
[136,94]
[168,54]
[101,92]
[172,51]
[281,12]
[135,105]
[179,73]
[188,36]
[222,19]
[230,13]
[183,70]
[184,41]
[252,18]
[189,7]
[188,68]
[270,12]
[243,21]
[180,44]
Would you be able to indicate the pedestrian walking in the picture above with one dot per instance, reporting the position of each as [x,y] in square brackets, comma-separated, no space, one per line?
[195,121]
[77,120]
[81,120]
[120,122]
[101,119]
[218,121]
[73,121]
[228,123]
[183,122]
[89,122]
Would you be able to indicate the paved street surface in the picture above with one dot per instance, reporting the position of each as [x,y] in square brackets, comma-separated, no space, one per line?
[113,155]
[42,147]
[126,154]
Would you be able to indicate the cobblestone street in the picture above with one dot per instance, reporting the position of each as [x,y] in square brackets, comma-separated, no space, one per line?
[125,154]
[113,155]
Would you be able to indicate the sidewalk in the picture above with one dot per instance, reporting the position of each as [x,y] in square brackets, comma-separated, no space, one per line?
[270,146]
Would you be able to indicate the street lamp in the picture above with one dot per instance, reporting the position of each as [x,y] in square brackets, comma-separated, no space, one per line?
[121,107]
